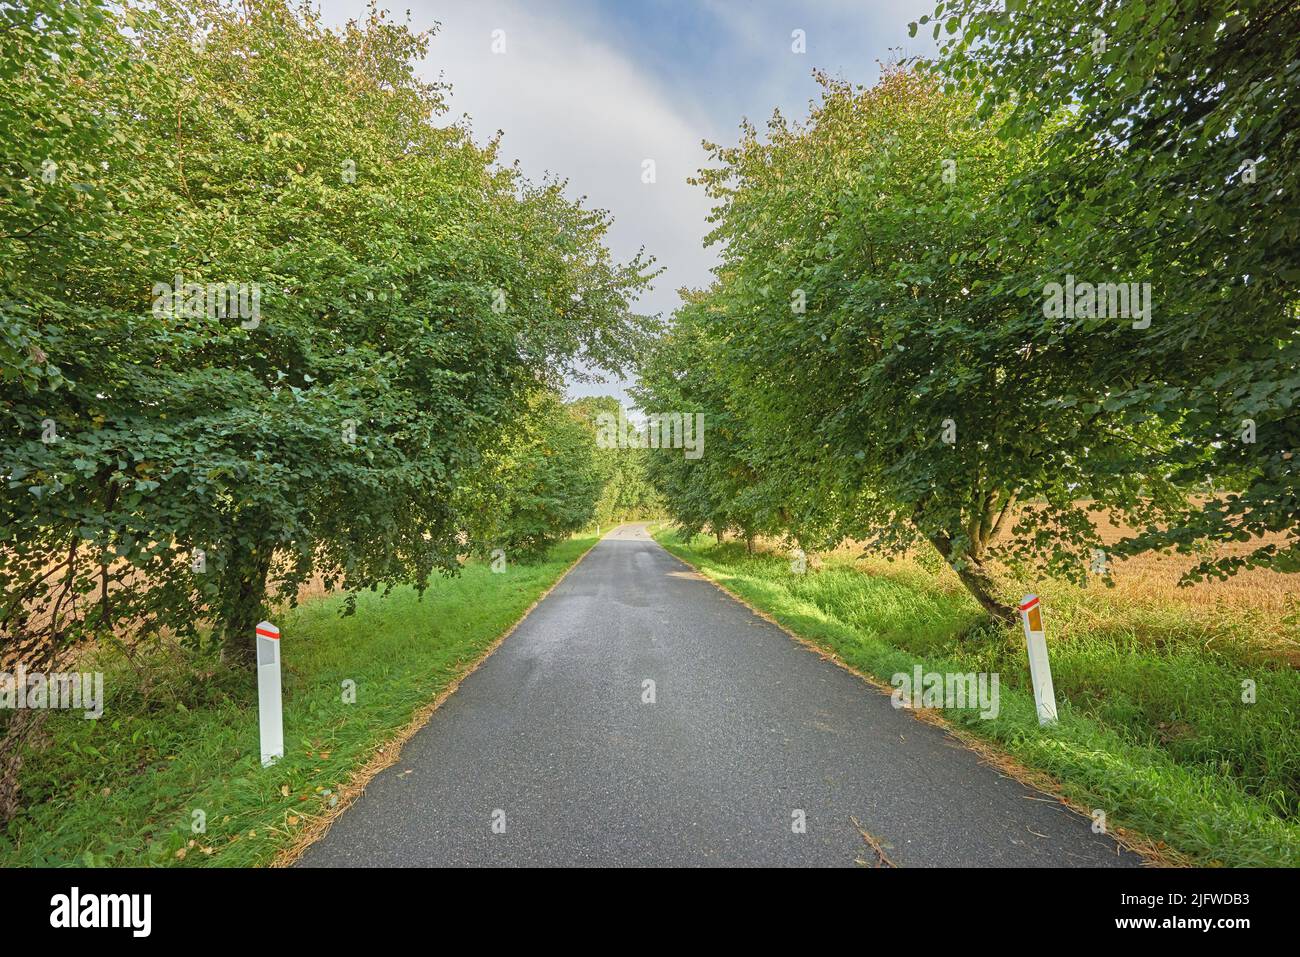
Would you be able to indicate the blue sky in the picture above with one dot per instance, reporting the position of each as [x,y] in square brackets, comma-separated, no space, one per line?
[589,89]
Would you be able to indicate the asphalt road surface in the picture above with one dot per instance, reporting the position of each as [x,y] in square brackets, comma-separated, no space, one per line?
[549,753]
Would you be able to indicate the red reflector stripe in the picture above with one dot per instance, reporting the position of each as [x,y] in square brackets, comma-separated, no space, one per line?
[1029,604]
[269,634]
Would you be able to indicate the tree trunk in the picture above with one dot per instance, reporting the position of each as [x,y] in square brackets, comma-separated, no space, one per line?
[975,576]
[244,602]
[21,728]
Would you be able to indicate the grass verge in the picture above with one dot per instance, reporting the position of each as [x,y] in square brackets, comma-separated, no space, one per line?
[1152,732]
[178,742]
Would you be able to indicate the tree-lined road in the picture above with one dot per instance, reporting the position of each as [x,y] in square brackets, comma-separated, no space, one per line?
[746,728]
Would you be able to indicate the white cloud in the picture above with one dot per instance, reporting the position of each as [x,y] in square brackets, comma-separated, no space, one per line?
[571,105]
[571,102]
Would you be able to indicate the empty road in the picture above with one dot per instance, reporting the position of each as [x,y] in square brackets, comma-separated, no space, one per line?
[552,754]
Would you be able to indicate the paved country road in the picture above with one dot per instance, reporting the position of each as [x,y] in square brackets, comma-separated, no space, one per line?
[747,726]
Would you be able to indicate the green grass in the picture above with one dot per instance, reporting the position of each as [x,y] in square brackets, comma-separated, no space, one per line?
[179,731]
[1152,730]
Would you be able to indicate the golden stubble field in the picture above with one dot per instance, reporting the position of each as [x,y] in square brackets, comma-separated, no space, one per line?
[1255,608]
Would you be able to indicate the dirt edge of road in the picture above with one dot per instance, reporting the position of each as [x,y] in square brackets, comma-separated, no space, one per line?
[387,754]
[1153,853]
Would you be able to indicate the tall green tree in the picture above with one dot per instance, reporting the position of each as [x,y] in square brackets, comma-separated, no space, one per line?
[877,338]
[729,487]
[1168,136]
[175,453]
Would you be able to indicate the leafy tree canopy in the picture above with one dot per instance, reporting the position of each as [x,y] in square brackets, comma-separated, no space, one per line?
[267,314]
[1171,152]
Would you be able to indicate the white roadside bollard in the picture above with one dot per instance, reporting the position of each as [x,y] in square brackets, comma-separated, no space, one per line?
[270,717]
[1031,613]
